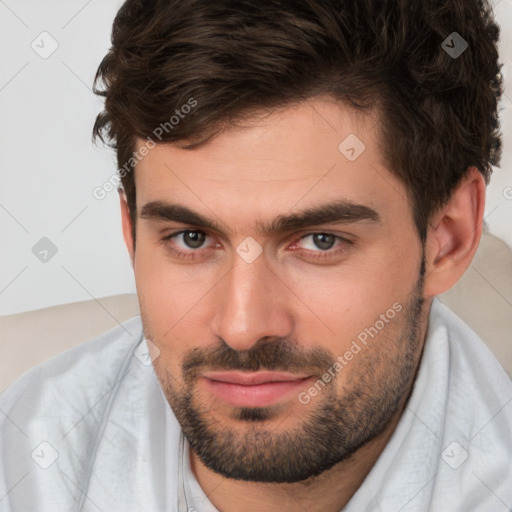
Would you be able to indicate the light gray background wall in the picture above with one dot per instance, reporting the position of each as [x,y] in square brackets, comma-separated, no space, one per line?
[49,52]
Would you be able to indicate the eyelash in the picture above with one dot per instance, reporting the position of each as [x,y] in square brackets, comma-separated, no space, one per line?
[191,255]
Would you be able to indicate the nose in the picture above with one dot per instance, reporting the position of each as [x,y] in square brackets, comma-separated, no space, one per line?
[251,303]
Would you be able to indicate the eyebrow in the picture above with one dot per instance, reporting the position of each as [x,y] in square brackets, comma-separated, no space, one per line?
[341,212]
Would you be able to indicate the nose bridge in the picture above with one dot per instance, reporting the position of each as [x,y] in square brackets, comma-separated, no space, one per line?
[249,305]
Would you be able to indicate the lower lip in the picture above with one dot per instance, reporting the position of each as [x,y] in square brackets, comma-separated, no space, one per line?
[258,395]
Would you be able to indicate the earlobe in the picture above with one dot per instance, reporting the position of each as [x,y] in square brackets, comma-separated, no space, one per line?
[454,234]
[127,224]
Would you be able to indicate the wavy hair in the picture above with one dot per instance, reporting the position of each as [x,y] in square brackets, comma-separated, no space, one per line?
[439,114]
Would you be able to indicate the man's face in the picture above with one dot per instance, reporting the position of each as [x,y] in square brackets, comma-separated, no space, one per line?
[331,309]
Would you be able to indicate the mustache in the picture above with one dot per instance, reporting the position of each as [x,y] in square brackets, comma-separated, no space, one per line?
[273,355]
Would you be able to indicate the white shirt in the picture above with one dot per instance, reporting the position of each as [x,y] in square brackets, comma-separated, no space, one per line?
[90,430]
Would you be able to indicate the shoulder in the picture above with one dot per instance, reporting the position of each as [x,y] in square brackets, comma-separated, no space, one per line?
[77,370]
[477,429]
[478,384]
[468,352]
[52,419]
[54,394]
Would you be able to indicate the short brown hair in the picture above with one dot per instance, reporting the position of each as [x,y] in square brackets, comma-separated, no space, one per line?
[438,110]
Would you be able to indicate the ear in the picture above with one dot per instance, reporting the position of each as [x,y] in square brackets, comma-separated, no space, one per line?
[454,234]
[127,224]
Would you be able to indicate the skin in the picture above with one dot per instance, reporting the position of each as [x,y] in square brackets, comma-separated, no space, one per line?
[281,163]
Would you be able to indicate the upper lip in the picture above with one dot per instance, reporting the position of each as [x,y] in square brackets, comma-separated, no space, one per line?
[252,378]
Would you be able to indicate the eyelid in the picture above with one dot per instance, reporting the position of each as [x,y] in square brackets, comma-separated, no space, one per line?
[338,238]
[345,243]
[345,236]
[183,231]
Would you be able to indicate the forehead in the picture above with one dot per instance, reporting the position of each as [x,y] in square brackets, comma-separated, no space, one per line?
[312,153]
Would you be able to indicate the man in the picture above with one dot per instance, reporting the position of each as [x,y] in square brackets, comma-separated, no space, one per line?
[300,180]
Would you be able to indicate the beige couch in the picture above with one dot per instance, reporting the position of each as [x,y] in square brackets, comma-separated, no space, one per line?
[483,298]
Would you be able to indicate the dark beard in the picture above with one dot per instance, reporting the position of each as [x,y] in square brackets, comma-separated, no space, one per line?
[379,381]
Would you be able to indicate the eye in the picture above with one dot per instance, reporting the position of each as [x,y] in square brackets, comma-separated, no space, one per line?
[191,244]
[320,245]
[323,241]
[186,244]
[191,239]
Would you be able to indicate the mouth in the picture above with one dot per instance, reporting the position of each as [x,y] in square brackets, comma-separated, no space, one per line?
[253,389]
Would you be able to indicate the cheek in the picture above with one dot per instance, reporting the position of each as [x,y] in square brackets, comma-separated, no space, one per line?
[168,303]
[166,291]
[348,299]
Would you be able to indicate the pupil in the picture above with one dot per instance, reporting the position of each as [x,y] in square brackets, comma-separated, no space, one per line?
[323,241]
[194,239]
